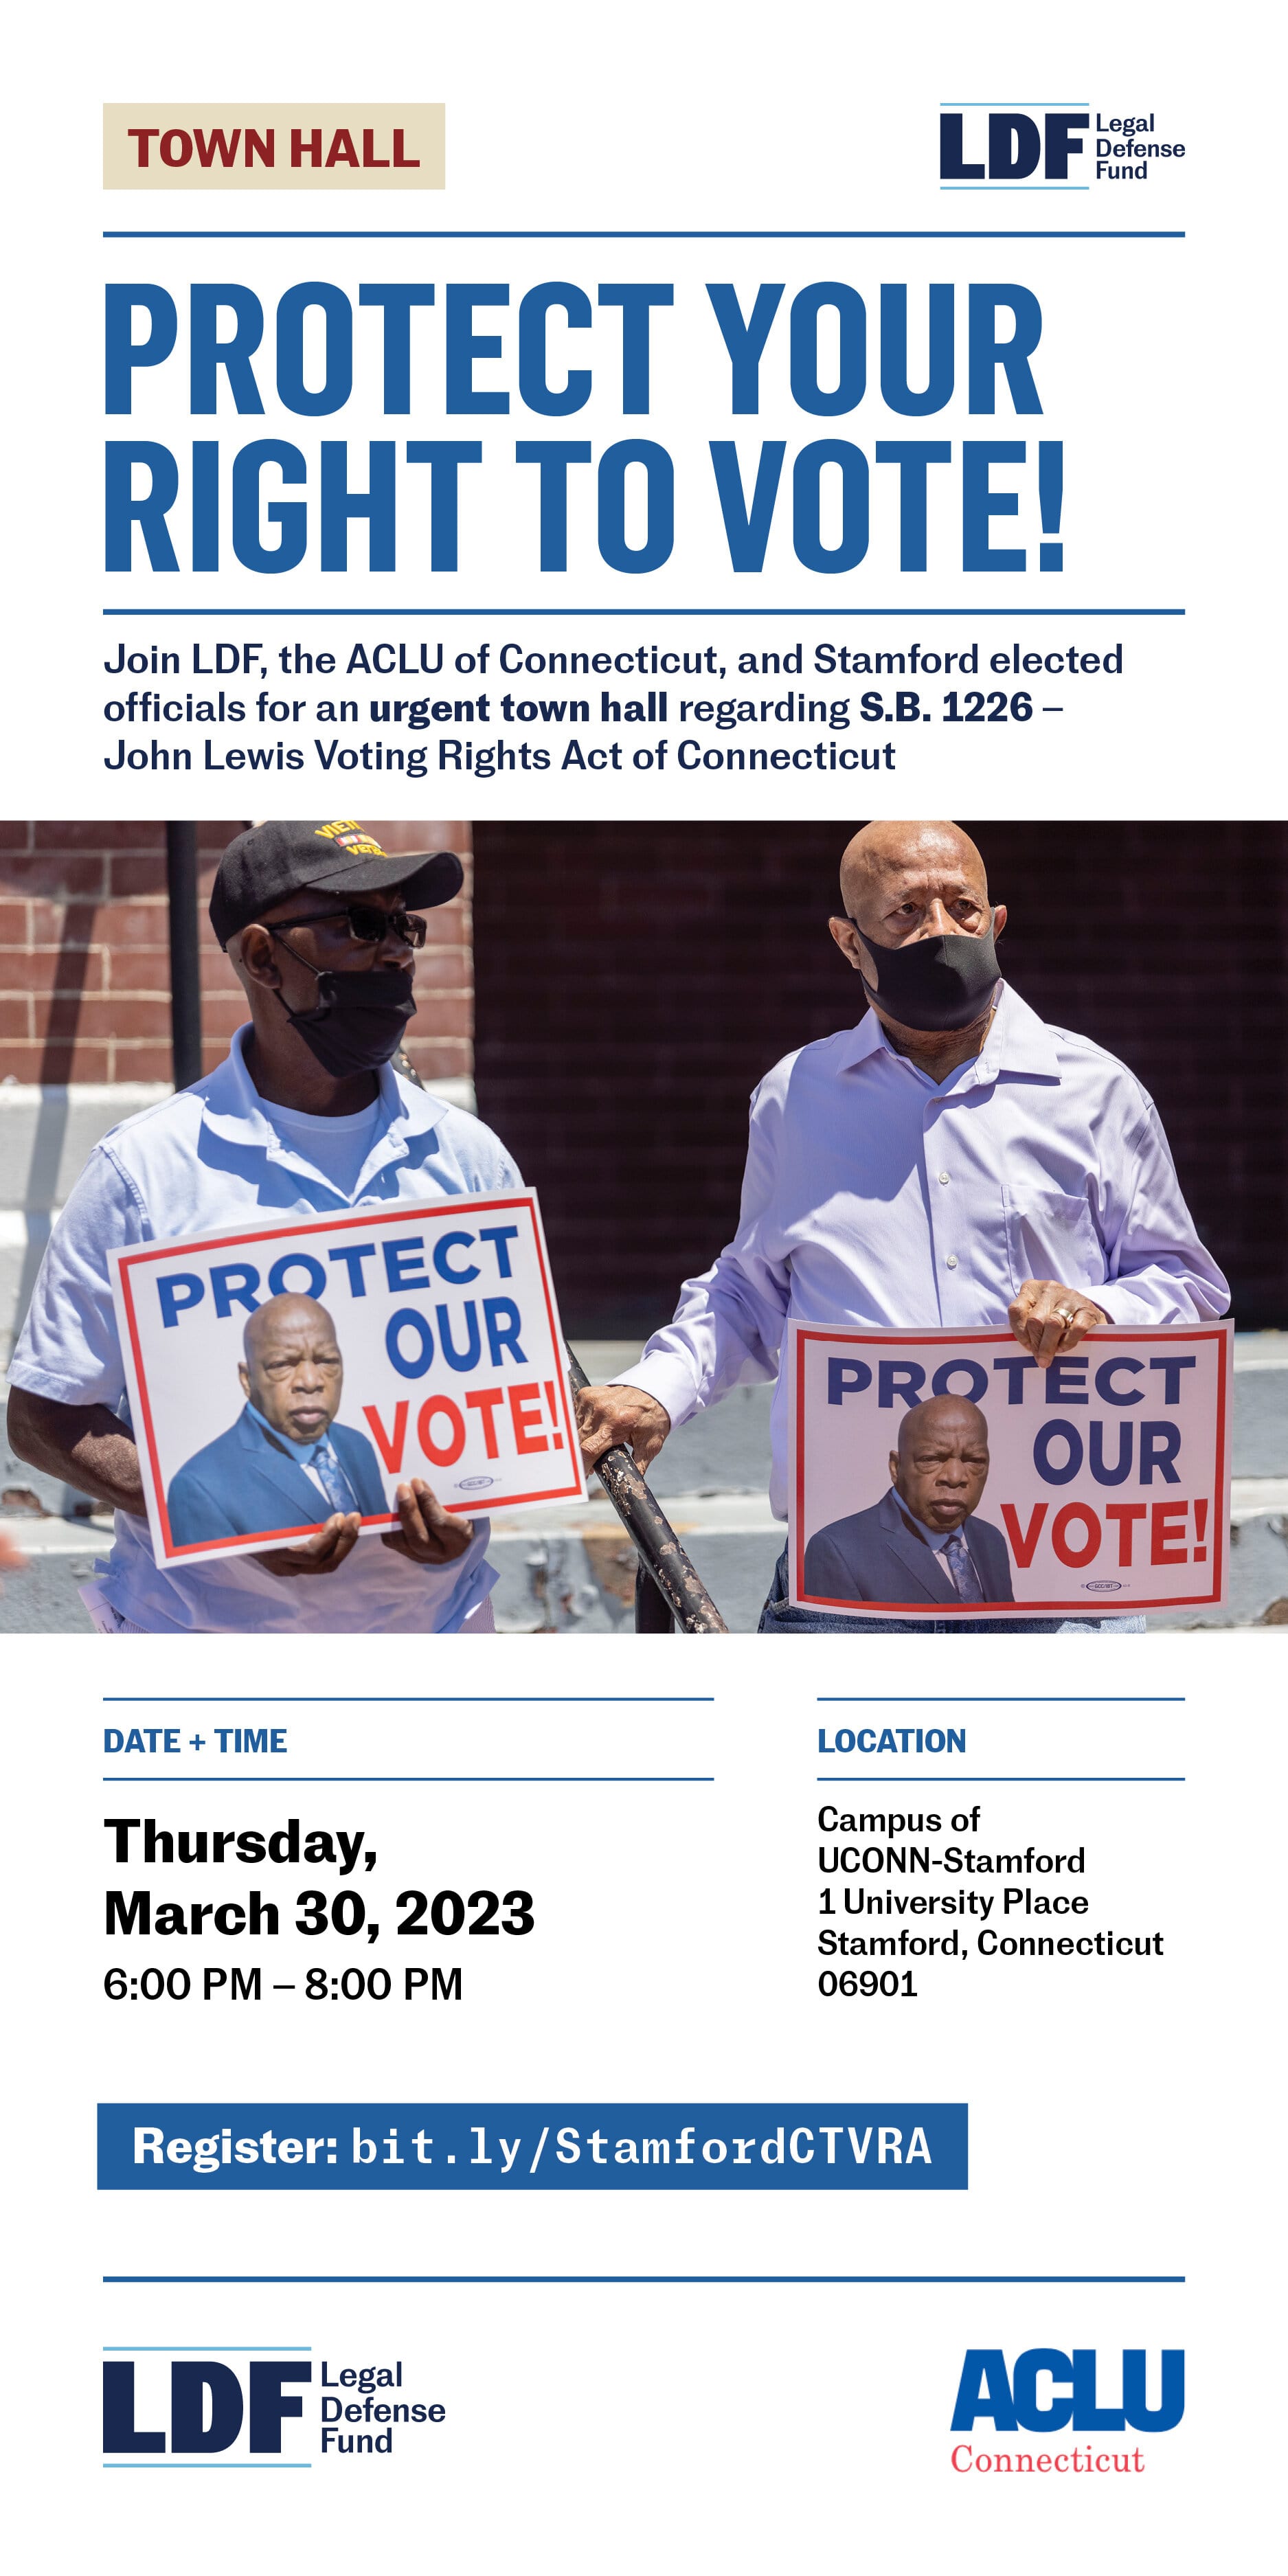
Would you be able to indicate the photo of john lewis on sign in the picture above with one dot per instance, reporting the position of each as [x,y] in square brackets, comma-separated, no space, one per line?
[279,1375]
[945,1475]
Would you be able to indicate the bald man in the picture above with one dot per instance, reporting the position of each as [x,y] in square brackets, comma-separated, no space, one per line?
[285,1463]
[923,1541]
[951,1161]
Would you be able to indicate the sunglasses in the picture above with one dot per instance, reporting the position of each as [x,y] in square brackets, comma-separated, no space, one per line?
[368,924]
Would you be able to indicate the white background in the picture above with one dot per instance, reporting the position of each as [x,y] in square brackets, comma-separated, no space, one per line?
[1119,2112]
[1119,2125]
[1157,368]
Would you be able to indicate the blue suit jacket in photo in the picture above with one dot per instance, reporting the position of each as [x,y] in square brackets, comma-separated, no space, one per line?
[245,1481]
[875,1556]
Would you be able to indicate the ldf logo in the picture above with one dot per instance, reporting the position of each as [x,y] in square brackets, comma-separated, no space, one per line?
[1013,2402]
[1015,146]
[207,2406]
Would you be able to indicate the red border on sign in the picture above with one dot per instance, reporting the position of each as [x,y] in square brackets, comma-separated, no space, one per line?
[1004,1609]
[128,1262]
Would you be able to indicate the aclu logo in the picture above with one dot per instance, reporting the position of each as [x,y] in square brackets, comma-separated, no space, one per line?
[1048,2392]
[200,2407]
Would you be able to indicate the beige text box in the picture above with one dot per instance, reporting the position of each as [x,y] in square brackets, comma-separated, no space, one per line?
[333,146]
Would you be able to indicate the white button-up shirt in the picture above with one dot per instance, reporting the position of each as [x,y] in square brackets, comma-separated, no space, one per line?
[212,1157]
[874,1195]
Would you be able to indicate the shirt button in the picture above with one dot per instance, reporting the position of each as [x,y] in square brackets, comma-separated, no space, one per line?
[944,1178]
[952,1261]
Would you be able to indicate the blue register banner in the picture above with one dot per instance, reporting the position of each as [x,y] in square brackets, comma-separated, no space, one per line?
[532,2146]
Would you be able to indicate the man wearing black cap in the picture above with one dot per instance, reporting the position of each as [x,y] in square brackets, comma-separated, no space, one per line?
[305,1114]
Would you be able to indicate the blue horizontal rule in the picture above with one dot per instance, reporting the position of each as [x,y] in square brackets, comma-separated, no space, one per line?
[532,2146]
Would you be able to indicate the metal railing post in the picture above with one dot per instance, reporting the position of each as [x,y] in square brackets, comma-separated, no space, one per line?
[185,956]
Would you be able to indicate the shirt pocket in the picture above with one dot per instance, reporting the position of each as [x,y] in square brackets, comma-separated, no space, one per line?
[1051,1235]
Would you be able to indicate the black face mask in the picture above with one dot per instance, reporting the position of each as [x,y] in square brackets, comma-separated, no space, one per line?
[942,983]
[357,1022]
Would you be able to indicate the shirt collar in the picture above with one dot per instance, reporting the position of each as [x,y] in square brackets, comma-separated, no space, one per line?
[234,1110]
[1017,1042]
[934,1538]
[305,1450]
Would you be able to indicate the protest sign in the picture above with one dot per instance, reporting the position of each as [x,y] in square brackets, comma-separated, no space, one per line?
[279,1374]
[938,1475]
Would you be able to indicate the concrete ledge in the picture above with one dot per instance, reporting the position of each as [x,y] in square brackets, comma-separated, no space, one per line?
[1252,1496]
[33,1537]
[722,1514]
[1267,1350]
[49,1130]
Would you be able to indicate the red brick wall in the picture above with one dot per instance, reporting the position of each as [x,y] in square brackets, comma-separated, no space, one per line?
[634,980]
[85,964]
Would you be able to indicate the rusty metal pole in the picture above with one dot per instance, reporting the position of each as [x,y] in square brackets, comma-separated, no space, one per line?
[668,1588]
[670,1582]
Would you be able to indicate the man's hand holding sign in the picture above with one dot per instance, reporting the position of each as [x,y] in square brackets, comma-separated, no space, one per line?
[952,1164]
[1048,1318]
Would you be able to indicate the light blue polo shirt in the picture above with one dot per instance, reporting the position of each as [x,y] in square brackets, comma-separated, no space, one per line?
[210,1157]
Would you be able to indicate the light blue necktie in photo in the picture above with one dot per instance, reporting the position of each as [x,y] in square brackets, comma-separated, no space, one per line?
[961,1569]
[335,1484]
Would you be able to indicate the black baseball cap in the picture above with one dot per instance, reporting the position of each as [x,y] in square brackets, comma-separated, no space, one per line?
[272,860]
